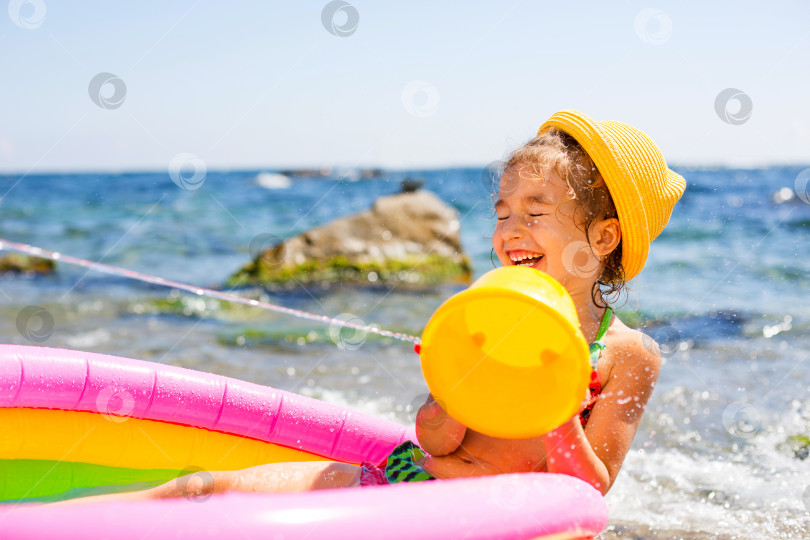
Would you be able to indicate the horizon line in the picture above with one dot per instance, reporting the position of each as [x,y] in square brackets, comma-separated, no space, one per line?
[348,169]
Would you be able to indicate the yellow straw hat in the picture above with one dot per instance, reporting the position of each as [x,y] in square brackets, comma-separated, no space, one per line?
[643,189]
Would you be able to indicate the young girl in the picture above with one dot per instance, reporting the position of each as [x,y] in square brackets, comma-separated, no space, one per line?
[582,201]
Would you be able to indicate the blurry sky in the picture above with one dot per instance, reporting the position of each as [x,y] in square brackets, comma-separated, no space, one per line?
[264,84]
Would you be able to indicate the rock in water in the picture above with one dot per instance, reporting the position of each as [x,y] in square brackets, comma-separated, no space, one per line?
[16,263]
[408,238]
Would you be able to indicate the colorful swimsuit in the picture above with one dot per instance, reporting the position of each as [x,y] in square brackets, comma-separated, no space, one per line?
[595,386]
[401,463]
[400,467]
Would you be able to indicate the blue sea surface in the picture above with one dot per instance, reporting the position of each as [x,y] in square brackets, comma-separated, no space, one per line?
[725,291]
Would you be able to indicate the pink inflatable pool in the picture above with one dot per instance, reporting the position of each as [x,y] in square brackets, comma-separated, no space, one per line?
[76,421]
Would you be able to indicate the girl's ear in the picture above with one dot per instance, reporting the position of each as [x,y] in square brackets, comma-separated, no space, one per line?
[605,236]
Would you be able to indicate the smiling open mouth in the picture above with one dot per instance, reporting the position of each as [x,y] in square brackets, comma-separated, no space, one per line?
[526,259]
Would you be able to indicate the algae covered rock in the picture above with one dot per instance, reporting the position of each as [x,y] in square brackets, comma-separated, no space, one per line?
[410,238]
[798,446]
[16,263]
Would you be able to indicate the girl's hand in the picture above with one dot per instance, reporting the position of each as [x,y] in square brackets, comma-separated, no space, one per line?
[438,433]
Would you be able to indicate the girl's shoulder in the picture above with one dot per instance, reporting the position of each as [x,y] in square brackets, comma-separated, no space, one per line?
[628,351]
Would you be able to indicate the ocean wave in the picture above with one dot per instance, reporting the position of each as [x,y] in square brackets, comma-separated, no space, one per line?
[272,180]
[668,494]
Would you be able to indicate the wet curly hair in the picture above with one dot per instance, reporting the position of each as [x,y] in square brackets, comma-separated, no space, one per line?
[559,151]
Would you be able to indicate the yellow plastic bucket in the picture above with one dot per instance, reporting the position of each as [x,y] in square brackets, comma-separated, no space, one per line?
[506,357]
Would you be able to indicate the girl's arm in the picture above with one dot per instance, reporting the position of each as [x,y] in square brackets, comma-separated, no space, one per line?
[596,453]
[438,433]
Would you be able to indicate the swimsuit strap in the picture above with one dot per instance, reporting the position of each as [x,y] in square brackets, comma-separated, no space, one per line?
[595,386]
[598,344]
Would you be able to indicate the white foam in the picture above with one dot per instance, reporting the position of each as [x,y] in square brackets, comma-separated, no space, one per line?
[733,495]
[272,181]
[384,408]
[86,340]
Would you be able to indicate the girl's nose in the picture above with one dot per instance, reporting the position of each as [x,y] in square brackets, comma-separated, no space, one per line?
[512,227]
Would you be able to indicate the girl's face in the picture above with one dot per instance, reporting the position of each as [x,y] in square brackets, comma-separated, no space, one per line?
[536,227]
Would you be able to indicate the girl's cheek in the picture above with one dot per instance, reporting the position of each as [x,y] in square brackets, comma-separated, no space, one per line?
[497,245]
[498,248]
[497,241]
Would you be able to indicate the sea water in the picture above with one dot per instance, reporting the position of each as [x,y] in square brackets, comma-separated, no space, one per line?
[726,292]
